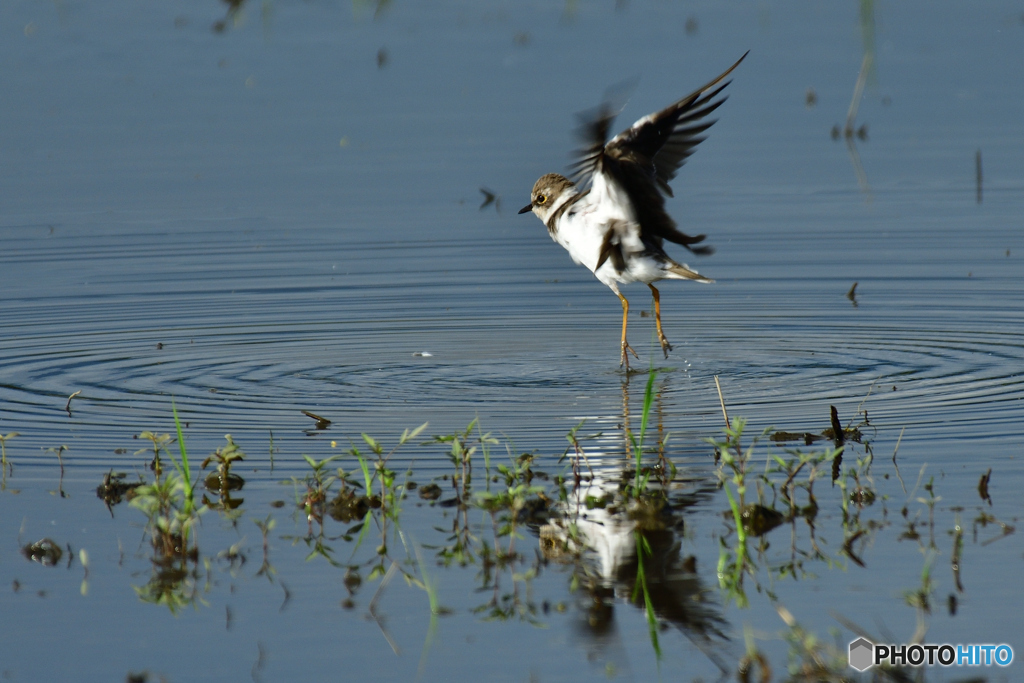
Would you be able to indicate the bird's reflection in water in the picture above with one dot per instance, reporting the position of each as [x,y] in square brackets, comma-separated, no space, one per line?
[610,516]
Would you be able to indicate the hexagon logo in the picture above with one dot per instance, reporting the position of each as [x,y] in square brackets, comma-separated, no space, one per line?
[862,654]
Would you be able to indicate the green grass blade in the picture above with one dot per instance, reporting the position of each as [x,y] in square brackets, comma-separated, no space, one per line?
[367,477]
[645,416]
[186,472]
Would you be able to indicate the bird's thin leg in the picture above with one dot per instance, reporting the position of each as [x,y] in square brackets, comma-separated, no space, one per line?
[665,346]
[624,360]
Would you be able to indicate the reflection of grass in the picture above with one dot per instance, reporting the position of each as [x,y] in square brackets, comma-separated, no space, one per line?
[756,519]
[360,512]
[171,514]
[643,548]
[810,657]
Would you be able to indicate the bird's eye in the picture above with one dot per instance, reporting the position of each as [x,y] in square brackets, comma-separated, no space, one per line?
[541,199]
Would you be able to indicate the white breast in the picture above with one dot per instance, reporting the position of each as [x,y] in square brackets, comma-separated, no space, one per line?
[583,227]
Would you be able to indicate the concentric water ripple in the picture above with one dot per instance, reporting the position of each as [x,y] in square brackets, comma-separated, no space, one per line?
[244,343]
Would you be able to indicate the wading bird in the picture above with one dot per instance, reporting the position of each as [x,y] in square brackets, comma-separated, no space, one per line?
[612,219]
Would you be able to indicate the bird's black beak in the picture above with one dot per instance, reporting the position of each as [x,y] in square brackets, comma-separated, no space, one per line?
[528,207]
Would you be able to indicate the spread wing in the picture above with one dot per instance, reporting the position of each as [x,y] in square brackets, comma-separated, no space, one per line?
[664,139]
[667,138]
[594,129]
[647,155]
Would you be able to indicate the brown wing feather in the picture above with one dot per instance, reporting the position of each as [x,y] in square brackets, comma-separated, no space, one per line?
[611,247]
[644,158]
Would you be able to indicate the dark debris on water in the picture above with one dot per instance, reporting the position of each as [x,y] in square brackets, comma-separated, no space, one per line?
[44,551]
[115,489]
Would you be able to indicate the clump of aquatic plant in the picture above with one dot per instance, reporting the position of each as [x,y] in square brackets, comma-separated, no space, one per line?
[45,551]
[224,457]
[857,485]
[464,445]
[168,505]
[311,497]
[390,495]
[115,489]
[171,517]
[506,504]
[160,443]
[733,465]
[170,526]
[223,480]
[513,502]
[318,484]
[757,518]
[349,505]
[461,546]
[783,475]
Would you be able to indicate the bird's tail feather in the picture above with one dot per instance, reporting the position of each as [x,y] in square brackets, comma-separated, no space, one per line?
[678,271]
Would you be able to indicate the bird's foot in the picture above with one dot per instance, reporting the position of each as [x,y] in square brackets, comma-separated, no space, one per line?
[624,359]
[665,346]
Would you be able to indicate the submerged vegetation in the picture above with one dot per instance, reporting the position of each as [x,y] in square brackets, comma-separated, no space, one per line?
[611,522]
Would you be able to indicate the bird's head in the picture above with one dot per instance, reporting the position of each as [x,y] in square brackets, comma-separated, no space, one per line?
[549,192]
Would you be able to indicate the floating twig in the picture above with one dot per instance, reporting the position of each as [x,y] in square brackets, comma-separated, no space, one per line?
[321,422]
[721,401]
[983,486]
